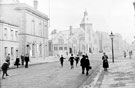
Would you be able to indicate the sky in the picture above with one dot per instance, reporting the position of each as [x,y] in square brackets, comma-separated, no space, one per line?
[117,16]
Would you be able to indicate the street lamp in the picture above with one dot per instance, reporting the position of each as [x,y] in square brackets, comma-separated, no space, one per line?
[112,36]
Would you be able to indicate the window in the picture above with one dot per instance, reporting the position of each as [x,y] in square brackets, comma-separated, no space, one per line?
[12,51]
[65,48]
[61,41]
[40,27]
[5,50]
[16,35]
[60,48]
[33,50]
[40,49]
[33,27]
[5,33]
[11,34]
[55,48]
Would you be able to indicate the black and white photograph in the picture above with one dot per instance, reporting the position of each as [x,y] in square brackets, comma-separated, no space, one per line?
[67,43]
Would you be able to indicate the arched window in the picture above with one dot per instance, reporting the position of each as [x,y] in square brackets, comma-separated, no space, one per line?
[40,49]
[33,50]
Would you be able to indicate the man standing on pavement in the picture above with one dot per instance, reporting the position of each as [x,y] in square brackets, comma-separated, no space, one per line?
[62,60]
[105,61]
[85,64]
[22,59]
[77,59]
[26,60]
[71,59]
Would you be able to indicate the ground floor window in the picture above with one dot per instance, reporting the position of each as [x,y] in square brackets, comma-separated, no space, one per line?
[5,50]
[60,48]
[12,51]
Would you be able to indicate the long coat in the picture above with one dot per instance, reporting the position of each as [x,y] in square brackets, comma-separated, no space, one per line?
[71,59]
[105,61]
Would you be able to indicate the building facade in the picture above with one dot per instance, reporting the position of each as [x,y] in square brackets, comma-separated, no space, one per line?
[76,40]
[33,27]
[9,41]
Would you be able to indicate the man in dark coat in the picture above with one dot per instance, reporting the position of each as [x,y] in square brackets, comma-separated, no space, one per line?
[4,68]
[26,60]
[105,61]
[77,59]
[17,62]
[62,60]
[85,64]
[22,59]
[71,59]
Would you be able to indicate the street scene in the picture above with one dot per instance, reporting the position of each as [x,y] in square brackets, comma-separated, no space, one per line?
[67,44]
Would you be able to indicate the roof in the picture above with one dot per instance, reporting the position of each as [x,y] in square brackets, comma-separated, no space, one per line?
[1,21]
[23,6]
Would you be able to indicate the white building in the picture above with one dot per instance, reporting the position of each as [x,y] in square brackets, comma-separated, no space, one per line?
[75,40]
[9,41]
[33,27]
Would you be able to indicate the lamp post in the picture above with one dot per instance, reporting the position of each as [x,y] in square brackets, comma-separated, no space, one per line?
[112,36]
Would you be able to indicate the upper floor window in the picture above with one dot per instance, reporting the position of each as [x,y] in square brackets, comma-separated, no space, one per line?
[55,48]
[16,35]
[61,41]
[5,33]
[12,35]
[33,27]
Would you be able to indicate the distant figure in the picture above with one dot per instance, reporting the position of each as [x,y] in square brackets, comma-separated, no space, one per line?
[85,64]
[77,59]
[105,61]
[8,59]
[71,59]
[62,60]
[26,60]
[22,59]
[4,68]
[124,54]
[17,62]
[130,54]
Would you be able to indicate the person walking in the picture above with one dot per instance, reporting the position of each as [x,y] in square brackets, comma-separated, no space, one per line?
[71,59]
[22,59]
[17,62]
[4,68]
[77,59]
[105,62]
[61,60]
[26,60]
[8,59]
[85,64]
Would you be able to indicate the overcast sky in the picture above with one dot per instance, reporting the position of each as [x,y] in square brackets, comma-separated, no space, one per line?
[105,15]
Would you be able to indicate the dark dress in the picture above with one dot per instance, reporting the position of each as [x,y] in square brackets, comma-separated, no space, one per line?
[26,61]
[62,60]
[17,62]
[105,61]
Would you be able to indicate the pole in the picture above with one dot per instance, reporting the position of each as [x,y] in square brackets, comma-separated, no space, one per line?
[112,52]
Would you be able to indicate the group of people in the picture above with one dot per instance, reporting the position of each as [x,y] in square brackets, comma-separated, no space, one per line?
[130,54]
[84,62]
[6,64]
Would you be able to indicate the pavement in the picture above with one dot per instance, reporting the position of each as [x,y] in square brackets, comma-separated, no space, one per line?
[121,74]
[37,62]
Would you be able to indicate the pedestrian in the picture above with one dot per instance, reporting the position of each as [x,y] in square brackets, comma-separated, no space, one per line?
[124,54]
[8,59]
[26,60]
[105,62]
[130,54]
[4,68]
[61,60]
[77,59]
[17,62]
[85,64]
[71,59]
[22,59]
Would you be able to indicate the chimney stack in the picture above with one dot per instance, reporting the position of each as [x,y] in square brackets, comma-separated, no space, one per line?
[70,30]
[35,2]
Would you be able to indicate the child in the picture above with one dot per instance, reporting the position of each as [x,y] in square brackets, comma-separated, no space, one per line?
[4,68]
